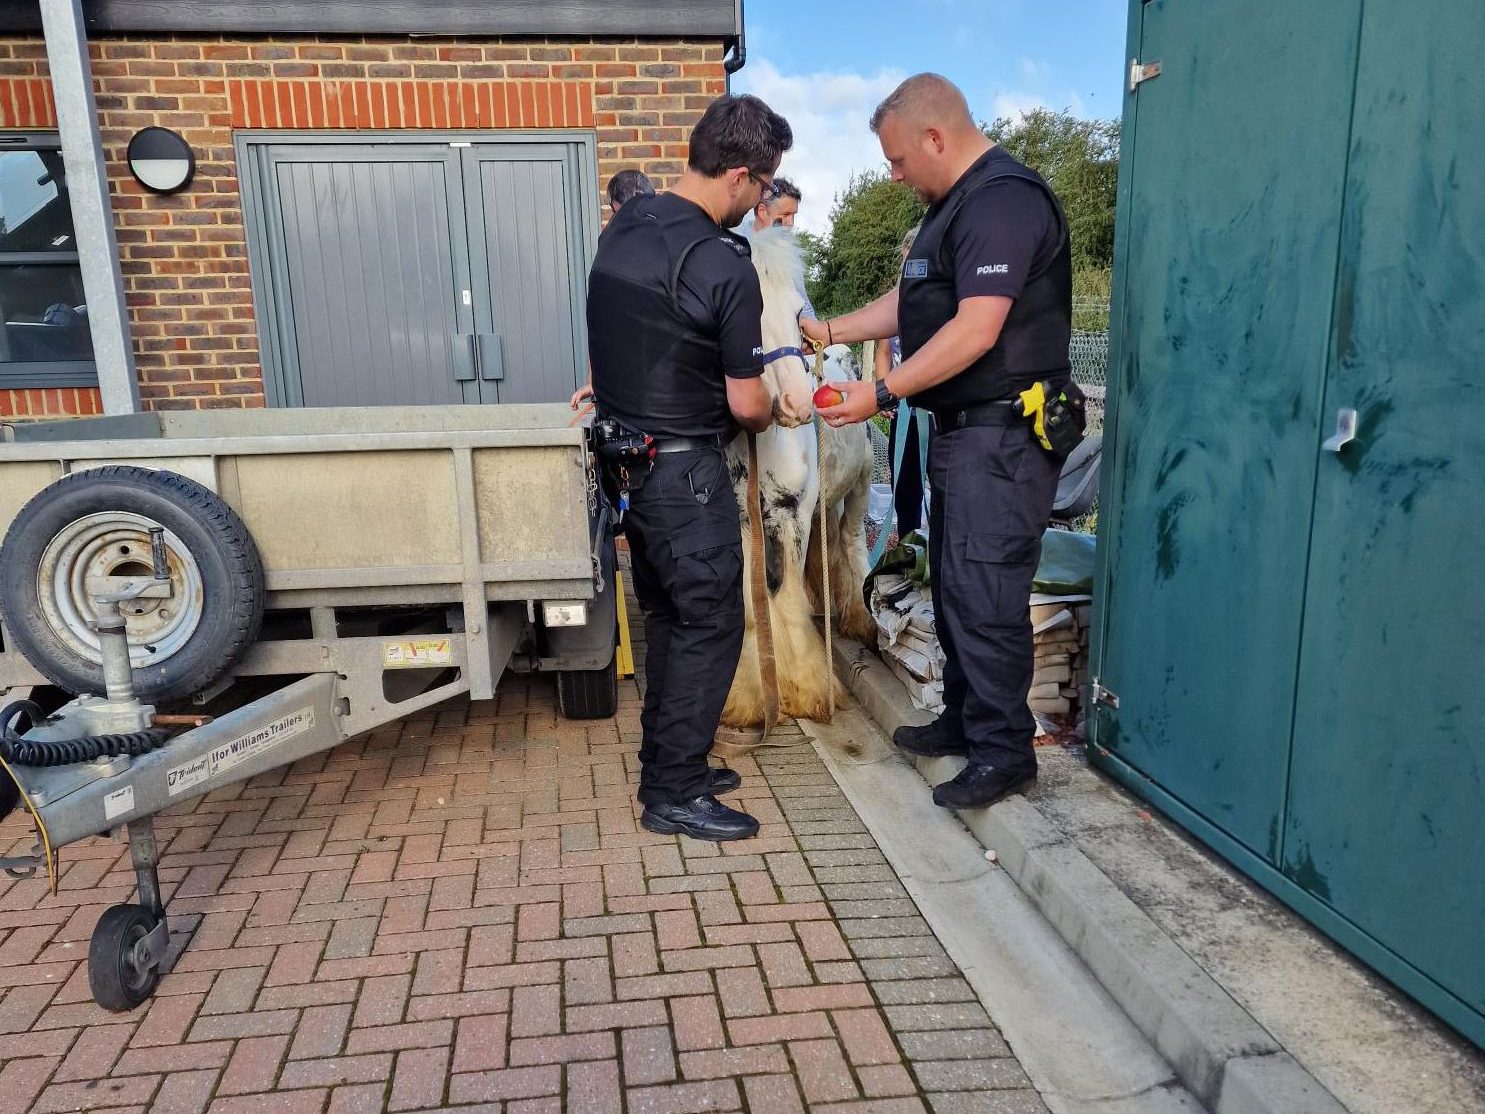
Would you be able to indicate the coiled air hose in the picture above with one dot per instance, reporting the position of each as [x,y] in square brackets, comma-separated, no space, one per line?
[64,752]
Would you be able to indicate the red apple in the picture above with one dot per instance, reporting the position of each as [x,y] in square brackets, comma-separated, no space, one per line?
[828,396]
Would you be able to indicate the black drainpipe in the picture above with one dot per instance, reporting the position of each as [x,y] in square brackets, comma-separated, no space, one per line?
[739,57]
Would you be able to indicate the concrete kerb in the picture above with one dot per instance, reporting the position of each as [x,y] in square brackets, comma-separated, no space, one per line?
[1216,1048]
[1079,1048]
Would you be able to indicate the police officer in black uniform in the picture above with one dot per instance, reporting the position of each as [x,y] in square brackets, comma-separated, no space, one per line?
[985,311]
[675,341]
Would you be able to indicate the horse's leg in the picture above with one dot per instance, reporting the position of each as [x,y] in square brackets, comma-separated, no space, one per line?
[799,651]
[803,673]
[744,707]
[848,564]
[812,578]
[813,570]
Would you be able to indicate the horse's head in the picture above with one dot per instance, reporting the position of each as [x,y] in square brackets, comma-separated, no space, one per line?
[841,364]
[780,274]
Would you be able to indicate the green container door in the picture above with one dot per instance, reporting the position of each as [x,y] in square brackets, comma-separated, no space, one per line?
[1294,636]
[1387,797]
[1216,400]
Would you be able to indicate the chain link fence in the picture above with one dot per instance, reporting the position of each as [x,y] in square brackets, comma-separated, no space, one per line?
[1089,353]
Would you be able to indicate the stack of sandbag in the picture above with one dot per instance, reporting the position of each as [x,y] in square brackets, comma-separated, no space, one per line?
[1061,613]
[1059,626]
[907,639]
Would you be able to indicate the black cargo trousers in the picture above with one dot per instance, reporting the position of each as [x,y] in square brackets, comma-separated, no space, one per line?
[992,488]
[685,543]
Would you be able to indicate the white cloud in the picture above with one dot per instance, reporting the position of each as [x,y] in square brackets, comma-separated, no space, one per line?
[760,36]
[1032,70]
[1017,103]
[828,113]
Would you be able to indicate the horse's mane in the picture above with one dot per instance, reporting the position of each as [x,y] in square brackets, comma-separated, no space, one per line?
[778,259]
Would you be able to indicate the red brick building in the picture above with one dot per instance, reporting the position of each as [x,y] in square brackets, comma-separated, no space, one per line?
[403,214]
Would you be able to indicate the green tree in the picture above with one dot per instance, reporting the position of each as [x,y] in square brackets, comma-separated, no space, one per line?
[858,259]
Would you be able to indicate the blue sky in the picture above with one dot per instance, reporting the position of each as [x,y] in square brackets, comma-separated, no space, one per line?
[826,63]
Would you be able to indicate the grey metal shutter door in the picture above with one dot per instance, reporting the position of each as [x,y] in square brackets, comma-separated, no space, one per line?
[373,253]
[534,274]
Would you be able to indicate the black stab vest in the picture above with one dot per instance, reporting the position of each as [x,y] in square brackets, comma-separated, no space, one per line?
[679,391]
[1033,342]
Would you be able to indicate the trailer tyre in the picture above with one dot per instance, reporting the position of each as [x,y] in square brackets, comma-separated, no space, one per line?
[118,978]
[10,794]
[96,523]
[589,693]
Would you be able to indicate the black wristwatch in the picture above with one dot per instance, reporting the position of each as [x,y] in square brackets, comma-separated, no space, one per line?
[885,401]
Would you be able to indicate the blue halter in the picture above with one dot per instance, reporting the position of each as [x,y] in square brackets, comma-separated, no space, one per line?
[778,353]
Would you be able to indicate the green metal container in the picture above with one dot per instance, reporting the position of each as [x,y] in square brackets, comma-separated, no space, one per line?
[1291,622]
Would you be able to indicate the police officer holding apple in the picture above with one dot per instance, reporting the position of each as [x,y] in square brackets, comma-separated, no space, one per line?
[984,310]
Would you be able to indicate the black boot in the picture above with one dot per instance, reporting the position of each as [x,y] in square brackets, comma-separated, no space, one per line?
[977,786]
[722,780]
[702,818]
[944,735]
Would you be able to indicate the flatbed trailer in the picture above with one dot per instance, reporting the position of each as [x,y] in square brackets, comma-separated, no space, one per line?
[275,582]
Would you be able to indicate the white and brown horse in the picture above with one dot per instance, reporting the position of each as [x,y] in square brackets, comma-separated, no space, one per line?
[790,480]
[788,484]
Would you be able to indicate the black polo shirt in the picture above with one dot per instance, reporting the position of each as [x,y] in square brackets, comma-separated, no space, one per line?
[998,231]
[674,308]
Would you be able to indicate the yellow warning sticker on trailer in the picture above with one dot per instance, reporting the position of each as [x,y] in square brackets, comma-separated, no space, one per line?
[218,760]
[418,653]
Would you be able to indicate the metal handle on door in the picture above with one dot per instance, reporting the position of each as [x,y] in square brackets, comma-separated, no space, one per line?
[1345,431]
[491,355]
[464,358]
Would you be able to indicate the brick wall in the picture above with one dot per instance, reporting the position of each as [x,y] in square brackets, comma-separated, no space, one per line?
[184,257]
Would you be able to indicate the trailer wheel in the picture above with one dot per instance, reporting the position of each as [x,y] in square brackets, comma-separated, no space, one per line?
[589,693]
[10,794]
[119,979]
[96,523]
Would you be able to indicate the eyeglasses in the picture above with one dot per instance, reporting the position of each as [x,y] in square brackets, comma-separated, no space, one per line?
[770,191]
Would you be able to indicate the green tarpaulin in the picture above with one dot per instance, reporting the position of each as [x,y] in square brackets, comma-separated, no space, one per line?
[1066,567]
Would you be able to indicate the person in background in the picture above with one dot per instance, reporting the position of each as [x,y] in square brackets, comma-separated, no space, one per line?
[907,488]
[779,211]
[626,185]
[782,208]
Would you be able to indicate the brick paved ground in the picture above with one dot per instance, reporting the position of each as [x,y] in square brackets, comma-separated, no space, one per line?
[460,910]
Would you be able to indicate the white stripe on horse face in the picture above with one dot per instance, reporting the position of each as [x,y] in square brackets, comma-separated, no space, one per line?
[780,270]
